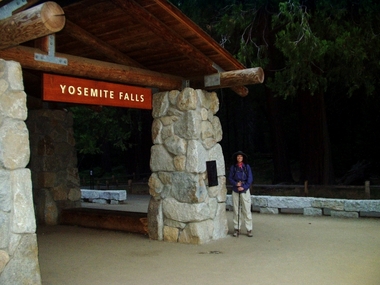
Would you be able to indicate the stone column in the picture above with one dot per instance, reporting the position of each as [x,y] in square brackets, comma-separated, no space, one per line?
[18,242]
[185,133]
[53,163]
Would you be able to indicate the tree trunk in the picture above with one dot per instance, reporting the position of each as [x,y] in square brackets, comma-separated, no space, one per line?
[281,165]
[282,171]
[315,152]
[106,157]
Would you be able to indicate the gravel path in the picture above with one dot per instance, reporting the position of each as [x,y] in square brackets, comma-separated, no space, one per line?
[285,249]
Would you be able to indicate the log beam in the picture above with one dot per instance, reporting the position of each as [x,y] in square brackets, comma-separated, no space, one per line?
[236,77]
[99,70]
[39,21]
[95,69]
[229,79]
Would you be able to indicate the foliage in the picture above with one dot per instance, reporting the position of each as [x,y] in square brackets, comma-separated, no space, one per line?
[315,40]
[94,129]
[325,48]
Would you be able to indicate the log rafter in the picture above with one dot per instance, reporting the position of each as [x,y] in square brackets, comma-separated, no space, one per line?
[139,13]
[173,11]
[89,39]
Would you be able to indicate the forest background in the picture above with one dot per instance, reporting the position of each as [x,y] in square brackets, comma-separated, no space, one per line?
[316,116]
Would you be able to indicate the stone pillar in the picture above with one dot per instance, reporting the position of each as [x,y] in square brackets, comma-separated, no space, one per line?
[185,133]
[53,163]
[18,242]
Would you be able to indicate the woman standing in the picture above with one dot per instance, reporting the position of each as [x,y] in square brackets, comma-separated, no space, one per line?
[241,178]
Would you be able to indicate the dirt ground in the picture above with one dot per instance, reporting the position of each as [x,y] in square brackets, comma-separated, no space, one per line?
[285,249]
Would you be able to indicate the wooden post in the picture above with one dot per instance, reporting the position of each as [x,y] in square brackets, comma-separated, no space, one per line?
[306,189]
[367,190]
[36,22]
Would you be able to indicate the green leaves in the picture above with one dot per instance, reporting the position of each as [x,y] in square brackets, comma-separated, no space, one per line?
[305,45]
[93,128]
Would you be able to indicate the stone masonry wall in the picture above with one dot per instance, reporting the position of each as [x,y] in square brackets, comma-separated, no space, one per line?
[18,241]
[53,163]
[311,206]
[185,133]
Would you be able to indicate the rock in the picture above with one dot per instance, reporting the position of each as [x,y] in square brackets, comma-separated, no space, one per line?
[185,134]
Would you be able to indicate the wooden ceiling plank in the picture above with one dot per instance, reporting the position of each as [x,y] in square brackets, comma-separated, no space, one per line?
[178,15]
[149,20]
[100,46]
[132,8]
[133,41]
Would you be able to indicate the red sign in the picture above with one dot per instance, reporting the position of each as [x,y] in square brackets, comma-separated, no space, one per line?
[83,91]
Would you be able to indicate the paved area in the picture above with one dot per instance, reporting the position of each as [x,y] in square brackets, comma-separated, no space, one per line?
[285,249]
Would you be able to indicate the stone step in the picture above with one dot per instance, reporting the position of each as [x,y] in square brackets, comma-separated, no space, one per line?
[106,219]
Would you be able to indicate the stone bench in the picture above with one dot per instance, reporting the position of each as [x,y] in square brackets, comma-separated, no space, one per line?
[103,196]
[310,206]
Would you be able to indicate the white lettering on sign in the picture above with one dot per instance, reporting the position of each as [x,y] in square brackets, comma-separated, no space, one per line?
[131,97]
[82,91]
[92,92]
[71,90]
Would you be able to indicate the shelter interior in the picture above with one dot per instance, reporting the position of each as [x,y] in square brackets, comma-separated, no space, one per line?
[146,43]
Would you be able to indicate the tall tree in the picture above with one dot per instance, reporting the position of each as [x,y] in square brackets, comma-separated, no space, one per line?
[246,30]
[305,48]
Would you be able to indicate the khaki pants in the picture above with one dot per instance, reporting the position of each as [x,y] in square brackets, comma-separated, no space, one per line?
[245,212]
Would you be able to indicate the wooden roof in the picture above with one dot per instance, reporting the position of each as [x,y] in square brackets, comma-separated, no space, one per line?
[150,35]
[153,33]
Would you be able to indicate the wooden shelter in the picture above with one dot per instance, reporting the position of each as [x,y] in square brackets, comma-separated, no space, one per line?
[148,43]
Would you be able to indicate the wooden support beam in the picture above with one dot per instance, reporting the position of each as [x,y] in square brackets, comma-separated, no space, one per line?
[39,21]
[229,79]
[238,77]
[88,39]
[143,16]
[95,69]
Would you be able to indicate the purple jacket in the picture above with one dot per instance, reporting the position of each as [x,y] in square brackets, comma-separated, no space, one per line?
[243,174]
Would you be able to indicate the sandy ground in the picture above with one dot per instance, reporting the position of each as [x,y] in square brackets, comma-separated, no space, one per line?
[285,249]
